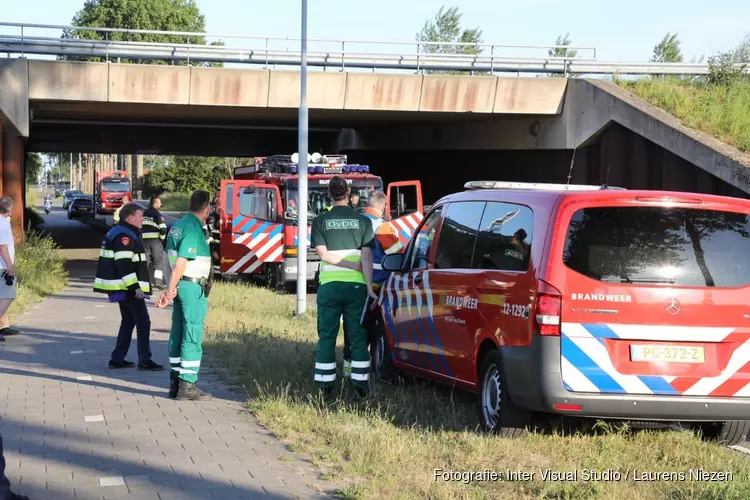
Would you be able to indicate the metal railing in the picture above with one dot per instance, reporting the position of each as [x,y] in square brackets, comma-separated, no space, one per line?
[323,53]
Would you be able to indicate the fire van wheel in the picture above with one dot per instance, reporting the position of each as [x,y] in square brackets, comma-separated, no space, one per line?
[727,433]
[497,413]
[382,362]
[272,272]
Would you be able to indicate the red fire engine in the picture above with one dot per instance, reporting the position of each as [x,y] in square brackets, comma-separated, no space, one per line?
[258,213]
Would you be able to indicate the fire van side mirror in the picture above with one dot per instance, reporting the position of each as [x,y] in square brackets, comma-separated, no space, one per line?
[393,262]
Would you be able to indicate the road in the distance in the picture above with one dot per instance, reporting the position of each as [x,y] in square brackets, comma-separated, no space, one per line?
[73,234]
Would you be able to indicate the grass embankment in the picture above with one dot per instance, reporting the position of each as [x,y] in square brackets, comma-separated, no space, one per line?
[41,271]
[391,444]
[174,202]
[722,111]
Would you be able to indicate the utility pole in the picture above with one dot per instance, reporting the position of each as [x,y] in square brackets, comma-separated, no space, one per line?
[302,173]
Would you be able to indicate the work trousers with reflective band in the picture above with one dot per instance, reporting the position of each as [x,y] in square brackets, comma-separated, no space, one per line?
[186,337]
[369,326]
[334,300]
[155,259]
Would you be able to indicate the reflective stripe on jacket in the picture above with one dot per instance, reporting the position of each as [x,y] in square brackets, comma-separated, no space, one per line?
[122,262]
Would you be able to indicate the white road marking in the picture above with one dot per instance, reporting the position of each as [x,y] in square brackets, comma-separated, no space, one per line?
[76,352]
[85,377]
[94,418]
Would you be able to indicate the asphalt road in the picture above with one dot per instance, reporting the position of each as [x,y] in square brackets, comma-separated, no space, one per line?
[81,241]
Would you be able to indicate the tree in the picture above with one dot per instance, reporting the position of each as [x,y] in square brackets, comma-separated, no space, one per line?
[668,50]
[33,166]
[742,52]
[154,15]
[561,50]
[184,174]
[446,29]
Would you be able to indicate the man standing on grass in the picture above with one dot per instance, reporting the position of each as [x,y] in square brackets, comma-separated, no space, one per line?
[189,285]
[344,240]
[154,234]
[7,261]
[386,243]
[123,275]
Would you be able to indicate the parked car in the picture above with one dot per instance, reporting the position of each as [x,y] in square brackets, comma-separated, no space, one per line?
[69,195]
[583,301]
[81,206]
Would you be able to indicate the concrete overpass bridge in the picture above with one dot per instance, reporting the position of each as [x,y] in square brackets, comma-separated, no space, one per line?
[404,125]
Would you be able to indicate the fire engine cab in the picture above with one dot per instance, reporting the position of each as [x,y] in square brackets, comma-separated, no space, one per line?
[258,213]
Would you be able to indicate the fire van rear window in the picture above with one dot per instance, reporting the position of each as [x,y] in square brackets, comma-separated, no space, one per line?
[660,246]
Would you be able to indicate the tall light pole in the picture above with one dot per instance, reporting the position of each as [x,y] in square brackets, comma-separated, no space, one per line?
[302,172]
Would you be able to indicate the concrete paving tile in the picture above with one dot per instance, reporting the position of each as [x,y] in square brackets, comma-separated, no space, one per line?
[159,448]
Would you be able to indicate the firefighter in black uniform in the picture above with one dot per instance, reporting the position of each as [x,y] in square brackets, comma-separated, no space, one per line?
[154,235]
[122,274]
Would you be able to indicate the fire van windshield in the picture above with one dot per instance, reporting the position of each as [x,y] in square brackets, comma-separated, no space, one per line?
[660,245]
[318,200]
[115,186]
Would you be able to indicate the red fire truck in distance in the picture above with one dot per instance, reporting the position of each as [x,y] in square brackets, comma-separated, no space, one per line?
[112,189]
[258,213]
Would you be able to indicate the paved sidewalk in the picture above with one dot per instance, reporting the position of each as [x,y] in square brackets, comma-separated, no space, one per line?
[72,428]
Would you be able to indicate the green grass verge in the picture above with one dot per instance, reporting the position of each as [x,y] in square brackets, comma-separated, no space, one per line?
[40,269]
[390,446]
[174,202]
[722,111]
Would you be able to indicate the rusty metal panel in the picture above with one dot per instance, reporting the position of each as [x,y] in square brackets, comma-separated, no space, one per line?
[458,94]
[534,96]
[383,92]
[324,90]
[229,87]
[149,83]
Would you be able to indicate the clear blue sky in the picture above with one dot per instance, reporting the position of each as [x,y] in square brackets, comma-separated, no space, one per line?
[627,32]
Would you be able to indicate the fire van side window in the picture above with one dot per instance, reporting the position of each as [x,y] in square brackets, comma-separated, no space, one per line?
[458,235]
[230,199]
[504,240]
[660,246]
[422,242]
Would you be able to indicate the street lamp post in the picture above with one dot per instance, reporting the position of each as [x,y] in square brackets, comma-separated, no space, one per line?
[302,154]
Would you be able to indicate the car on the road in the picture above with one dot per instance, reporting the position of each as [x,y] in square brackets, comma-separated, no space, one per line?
[61,187]
[69,195]
[81,206]
[582,301]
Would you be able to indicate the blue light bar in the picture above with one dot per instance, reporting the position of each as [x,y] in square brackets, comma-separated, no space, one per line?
[319,169]
[355,168]
[293,170]
[310,169]
[365,168]
[346,169]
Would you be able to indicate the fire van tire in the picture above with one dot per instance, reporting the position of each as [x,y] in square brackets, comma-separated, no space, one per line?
[727,433]
[273,282]
[382,361]
[497,413]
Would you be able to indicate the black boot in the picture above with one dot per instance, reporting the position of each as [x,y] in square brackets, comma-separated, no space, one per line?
[174,384]
[190,392]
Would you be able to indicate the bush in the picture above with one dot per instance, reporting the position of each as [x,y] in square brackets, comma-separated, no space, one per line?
[174,202]
[41,271]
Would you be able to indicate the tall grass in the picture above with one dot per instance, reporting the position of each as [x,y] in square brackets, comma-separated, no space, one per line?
[174,202]
[722,111]
[40,269]
[390,445]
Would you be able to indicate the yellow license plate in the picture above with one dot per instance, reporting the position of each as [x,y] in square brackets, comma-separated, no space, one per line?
[667,354]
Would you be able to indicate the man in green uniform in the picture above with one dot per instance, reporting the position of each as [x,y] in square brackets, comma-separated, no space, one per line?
[344,240]
[190,262]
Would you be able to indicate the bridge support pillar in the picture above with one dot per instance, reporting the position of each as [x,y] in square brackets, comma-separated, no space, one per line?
[11,160]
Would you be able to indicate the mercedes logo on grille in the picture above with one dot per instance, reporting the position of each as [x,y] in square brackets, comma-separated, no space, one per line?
[673,306]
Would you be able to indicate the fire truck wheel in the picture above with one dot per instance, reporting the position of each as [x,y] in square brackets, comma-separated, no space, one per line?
[497,413]
[382,362]
[273,282]
[727,433]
